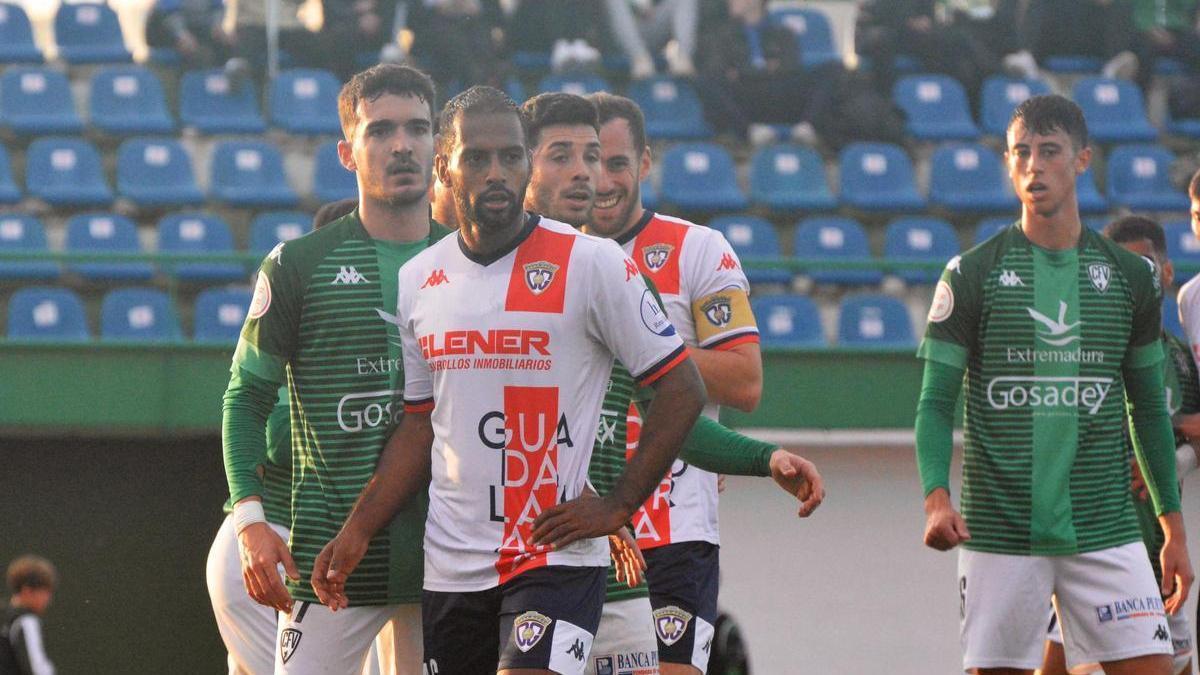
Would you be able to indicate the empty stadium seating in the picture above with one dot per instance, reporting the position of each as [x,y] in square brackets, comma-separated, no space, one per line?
[877,321]
[198,233]
[47,314]
[878,177]
[89,33]
[835,239]
[1001,95]
[788,321]
[9,192]
[920,239]
[156,172]
[753,238]
[1088,195]
[988,227]
[1138,178]
[36,100]
[128,100]
[138,314]
[66,172]
[16,36]
[1114,109]
[790,177]
[574,83]
[304,101]
[1182,248]
[272,227]
[700,177]
[936,107]
[671,108]
[814,35]
[24,233]
[969,179]
[209,103]
[1170,317]
[219,315]
[250,174]
[106,233]
[331,180]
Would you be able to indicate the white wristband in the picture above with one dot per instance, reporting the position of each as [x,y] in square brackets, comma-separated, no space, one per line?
[247,513]
[1185,460]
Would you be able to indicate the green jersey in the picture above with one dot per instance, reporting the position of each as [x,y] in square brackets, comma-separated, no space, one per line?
[277,469]
[1045,337]
[319,321]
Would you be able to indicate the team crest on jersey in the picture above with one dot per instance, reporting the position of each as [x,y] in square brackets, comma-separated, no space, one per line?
[289,641]
[943,303]
[539,275]
[671,623]
[657,255]
[1100,274]
[718,311]
[529,628]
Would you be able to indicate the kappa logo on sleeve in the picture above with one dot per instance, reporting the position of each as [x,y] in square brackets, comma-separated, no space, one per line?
[631,269]
[727,263]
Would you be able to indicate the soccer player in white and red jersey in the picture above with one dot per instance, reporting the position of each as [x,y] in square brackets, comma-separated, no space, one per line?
[707,299]
[509,332]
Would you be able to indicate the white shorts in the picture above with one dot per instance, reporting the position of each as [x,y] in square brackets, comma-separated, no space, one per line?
[1177,625]
[313,640]
[625,641]
[1107,601]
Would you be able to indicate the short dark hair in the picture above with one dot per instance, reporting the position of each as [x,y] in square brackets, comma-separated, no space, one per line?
[30,571]
[384,78]
[556,107]
[1194,185]
[611,107]
[1046,114]
[332,211]
[477,99]
[1137,228]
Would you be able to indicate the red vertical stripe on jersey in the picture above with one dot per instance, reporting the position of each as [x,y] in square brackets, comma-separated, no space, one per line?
[661,240]
[652,522]
[530,474]
[544,253]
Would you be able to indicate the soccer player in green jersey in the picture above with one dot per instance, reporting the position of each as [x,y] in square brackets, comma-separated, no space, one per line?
[1145,237]
[318,323]
[1055,328]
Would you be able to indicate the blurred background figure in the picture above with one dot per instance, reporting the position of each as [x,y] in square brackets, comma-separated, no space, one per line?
[31,581]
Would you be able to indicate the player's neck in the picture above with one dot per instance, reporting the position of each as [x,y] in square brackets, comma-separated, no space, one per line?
[639,212]
[1056,232]
[485,241]
[406,223]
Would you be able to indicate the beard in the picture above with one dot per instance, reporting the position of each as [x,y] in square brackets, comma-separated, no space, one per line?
[473,210]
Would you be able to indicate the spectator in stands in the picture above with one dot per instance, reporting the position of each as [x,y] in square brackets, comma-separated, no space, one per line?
[642,27]
[353,27]
[751,76]
[567,29]
[31,581]
[1164,29]
[457,40]
[190,27]
[1097,28]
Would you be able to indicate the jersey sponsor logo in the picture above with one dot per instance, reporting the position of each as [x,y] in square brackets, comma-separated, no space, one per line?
[539,275]
[1099,274]
[654,318]
[727,262]
[356,412]
[718,310]
[656,255]
[1130,608]
[509,341]
[603,665]
[436,278]
[670,623]
[1048,392]
[1010,278]
[348,275]
[528,630]
[1015,355]
[1056,330]
[606,431]
[289,642]
[631,269]
[943,303]
[261,301]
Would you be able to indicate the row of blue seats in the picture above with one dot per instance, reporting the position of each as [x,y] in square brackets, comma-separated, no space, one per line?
[141,314]
[178,233]
[84,33]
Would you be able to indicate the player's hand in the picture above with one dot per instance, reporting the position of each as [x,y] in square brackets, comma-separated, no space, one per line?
[1177,575]
[1138,483]
[334,565]
[720,483]
[944,527]
[262,552]
[798,477]
[584,517]
[626,557]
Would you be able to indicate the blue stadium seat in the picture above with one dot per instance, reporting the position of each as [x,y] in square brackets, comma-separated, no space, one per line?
[250,173]
[35,100]
[66,172]
[9,192]
[1088,195]
[219,315]
[140,314]
[51,314]
[16,36]
[839,239]
[304,101]
[21,232]
[787,321]
[208,103]
[1072,64]
[671,108]
[1170,316]
[1001,95]
[649,194]
[814,35]
[581,84]
[790,177]
[878,177]
[969,179]
[106,233]
[874,321]
[752,237]
[1138,178]
[988,227]
[272,227]
[198,233]
[1183,126]
[154,172]
[89,33]
[129,100]
[936,107]
[331,180]
[1114,110]
[700,177]
[1182,247]
[920,239]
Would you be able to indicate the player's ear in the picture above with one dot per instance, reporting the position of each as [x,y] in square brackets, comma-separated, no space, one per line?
[441,170]
[646,162]
[1168,276]
[346,156]
[1083,159]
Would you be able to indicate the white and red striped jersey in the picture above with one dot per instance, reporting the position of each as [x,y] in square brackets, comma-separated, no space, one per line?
[1188,301]
[512,354]
[706,295]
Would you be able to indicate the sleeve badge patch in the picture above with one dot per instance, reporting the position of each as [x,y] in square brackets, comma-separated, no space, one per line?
[943,303]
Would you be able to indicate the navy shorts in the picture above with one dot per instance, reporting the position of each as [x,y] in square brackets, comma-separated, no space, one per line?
[683,580]
[545,618]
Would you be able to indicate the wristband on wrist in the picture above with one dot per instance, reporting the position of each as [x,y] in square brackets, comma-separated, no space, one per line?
[247,513]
